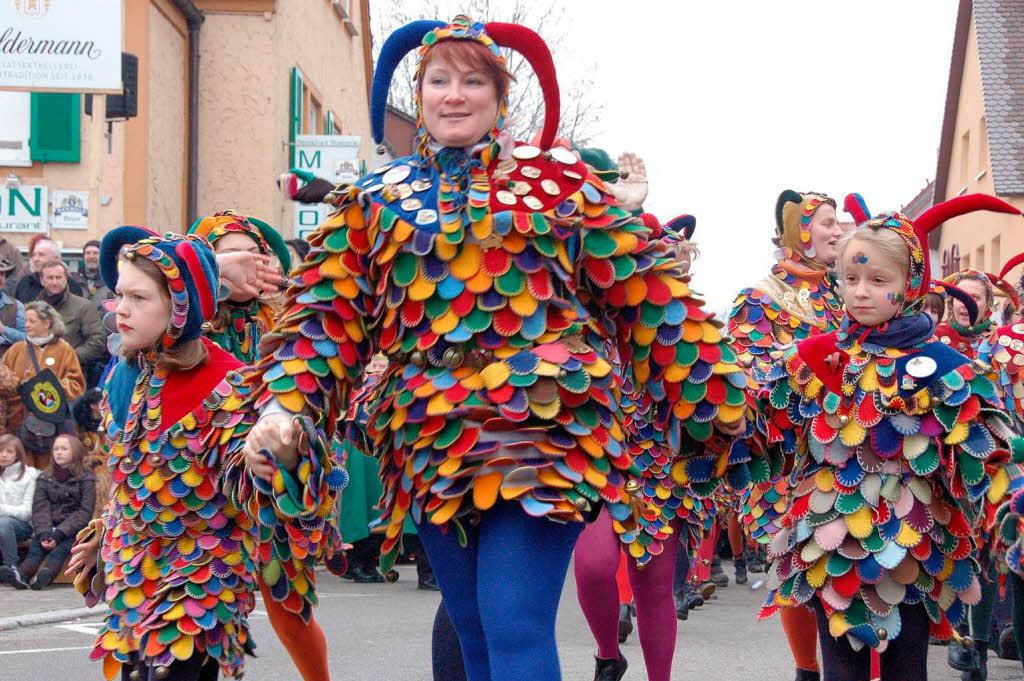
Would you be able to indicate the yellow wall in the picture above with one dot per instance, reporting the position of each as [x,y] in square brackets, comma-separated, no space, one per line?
[168,134]
[973,174]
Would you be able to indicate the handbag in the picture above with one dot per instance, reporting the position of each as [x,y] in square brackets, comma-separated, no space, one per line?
[46,405]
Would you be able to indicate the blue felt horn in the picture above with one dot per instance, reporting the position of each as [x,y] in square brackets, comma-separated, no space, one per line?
[398,44]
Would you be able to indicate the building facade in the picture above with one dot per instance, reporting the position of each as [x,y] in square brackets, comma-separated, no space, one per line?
[224,87]
[982,145]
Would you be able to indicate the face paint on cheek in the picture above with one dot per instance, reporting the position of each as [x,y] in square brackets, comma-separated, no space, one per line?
[896,298]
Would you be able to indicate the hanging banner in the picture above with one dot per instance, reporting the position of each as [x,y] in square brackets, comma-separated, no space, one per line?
[60,45]
[334,158]
[70,210]
[23,209]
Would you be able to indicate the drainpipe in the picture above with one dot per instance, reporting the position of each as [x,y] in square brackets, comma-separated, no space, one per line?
[194,17]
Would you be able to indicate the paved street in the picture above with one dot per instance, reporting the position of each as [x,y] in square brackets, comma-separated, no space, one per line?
[383,632]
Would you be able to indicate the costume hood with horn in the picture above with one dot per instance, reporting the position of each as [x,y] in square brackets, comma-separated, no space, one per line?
[892,433]
[238,325]
[493,278]
[180,495]
[798,298]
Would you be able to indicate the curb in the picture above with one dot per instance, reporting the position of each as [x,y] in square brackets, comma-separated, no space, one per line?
[49,617]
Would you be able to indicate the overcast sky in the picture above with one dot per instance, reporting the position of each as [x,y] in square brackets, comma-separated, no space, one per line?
[731,102]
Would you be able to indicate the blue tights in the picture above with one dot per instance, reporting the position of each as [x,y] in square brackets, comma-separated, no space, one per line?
[502,590]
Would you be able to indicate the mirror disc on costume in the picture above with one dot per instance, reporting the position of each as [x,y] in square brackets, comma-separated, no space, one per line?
[532,202]
[563,155]
[420,185]
[404,190]
[532,172]
[525,152]
[550,187]
[572,174]
[412,203]
[506,197]
[396,174]
[921,367]
[426,216]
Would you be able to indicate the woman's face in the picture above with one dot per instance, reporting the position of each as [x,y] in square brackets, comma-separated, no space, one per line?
[976,290]
[143,309]
[35,325]
[62,452]
[873,285]
[459,104]
[825,233]
[7,456]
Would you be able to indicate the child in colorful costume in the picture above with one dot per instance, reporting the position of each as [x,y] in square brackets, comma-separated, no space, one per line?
[493,274]
[179,541]
[797,300]
[674,479]
[890,434]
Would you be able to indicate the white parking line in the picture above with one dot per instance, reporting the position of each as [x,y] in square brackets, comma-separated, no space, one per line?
[91,629]
[42,650]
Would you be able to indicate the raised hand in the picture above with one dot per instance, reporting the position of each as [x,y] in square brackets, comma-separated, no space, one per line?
[631,189]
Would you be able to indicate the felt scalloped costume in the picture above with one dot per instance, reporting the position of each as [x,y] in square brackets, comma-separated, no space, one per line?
[797,300]
[494,280]
[889,441]
[178,542]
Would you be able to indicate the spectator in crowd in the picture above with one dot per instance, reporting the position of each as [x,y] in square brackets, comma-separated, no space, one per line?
[46,347]
[12,312]
[83,328]
[88,275]
[88,415]
[299,249]
[63,504]
[10,253]
[17,490]
[41,251]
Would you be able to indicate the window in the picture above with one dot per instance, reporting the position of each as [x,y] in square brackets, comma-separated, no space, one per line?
[983,147]
[965,262]
[314,116]
[331,126]
[996,253]
[965,148]
[15,128]
[979,257]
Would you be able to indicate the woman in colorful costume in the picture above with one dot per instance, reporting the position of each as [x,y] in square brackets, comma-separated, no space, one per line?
[177,544]
[890,434]
[797,300]
[492,274]
[957,331]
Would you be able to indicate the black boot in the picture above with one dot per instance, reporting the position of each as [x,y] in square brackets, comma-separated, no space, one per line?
[959,656]
[10,575]
[807,675]
[1008,644]
[740,565]
[718,576]
[610,670]
[692,597]
[980,672]
[625,622]
[682,605]
[425,574]
[44,577]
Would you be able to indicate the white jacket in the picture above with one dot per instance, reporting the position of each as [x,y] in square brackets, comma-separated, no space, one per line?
[16,495]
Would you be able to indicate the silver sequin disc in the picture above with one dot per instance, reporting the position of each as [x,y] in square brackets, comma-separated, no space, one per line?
[412,204]
[532,172]
[550,186]
[426,216]
[532,202]
[525,152]
[572,174]
[564,156]
[921,367]
[396,174]
[506,197]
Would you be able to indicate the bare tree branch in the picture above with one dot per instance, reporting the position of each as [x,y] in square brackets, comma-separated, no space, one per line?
[581,111]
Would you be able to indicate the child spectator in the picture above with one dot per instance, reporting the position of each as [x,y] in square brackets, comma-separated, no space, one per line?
[17,488]
[63,505]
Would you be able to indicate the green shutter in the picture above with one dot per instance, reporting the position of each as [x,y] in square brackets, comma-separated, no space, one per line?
[295,123]
[329,123]
[56,127]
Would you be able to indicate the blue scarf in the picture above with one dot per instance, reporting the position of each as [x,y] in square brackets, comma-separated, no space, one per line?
[900,333]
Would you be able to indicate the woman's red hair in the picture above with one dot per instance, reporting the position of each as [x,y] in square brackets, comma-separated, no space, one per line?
[472,55]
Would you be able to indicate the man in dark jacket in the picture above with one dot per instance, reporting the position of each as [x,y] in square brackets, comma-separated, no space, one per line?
[85,331]
[88,275]
[30,286]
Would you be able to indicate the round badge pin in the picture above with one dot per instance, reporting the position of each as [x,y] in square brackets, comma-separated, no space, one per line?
[921,367]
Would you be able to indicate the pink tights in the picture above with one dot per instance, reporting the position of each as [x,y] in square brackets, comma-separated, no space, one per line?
[597,558]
